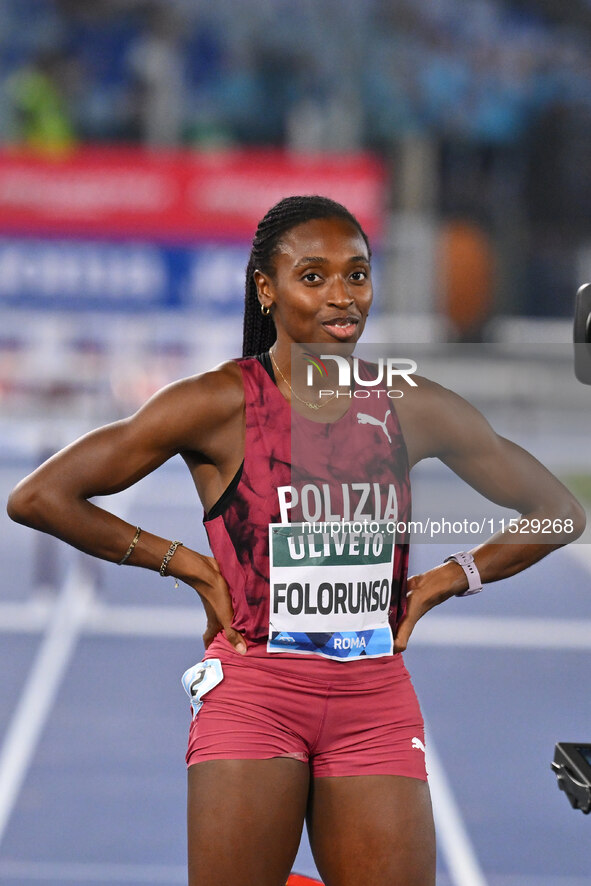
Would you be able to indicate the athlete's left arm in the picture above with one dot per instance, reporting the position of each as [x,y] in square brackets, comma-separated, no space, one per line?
[503,472]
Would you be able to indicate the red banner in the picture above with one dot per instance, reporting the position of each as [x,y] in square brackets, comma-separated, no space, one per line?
[300,880]
[176,195]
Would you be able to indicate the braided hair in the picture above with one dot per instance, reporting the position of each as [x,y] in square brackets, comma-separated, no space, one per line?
[259,330]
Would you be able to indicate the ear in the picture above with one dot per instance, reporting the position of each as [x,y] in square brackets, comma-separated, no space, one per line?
[265,288]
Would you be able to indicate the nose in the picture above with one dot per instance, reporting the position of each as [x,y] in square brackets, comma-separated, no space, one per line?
[340,294]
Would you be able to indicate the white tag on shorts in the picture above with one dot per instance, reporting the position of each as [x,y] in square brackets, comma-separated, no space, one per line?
[330,592]
[198,680]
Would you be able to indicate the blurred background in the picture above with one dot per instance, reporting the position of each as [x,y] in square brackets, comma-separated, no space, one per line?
[140,143]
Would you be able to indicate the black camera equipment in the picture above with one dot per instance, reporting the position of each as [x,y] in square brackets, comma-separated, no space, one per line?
[582,334]
[572,765]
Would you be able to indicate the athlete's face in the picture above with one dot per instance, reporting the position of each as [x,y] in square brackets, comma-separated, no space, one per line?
[321,290]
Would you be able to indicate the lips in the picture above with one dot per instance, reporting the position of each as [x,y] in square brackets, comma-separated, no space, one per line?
[341,327]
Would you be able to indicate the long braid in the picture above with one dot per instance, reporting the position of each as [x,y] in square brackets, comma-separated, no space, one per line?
[259,330]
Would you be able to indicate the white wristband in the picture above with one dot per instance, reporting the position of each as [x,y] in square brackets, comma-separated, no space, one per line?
[466,561]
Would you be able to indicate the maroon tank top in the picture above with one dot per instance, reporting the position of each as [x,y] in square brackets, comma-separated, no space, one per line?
[294,469]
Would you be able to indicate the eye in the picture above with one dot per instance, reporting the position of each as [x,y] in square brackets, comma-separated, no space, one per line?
[311,277]
[359,276]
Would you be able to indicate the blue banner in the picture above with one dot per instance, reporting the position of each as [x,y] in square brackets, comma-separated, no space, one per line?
[121,275]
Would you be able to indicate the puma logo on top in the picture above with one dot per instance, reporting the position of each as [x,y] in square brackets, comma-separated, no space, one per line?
[418,744]
[364,419]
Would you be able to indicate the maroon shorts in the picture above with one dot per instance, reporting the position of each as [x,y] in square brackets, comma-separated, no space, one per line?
[342,718]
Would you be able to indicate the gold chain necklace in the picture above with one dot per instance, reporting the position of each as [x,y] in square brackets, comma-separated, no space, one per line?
[307,403]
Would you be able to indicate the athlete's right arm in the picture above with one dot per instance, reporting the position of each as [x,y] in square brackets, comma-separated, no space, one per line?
[191,416]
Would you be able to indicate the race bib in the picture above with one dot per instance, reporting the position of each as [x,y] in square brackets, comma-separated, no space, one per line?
[330,593]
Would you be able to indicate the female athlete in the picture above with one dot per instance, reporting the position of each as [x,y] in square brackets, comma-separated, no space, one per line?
[302,707]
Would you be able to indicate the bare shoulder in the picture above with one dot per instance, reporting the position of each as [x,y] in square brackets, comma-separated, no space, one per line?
[192,410]
[220,389]
[435,421]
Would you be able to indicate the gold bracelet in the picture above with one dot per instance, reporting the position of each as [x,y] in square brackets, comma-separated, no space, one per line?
[168,557]
[131,547]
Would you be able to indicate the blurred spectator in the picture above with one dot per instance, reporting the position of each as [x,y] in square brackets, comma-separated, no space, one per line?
[39,95]
[327,123]
[157,67]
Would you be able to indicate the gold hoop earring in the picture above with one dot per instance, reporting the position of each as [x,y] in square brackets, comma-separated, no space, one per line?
[265,310]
